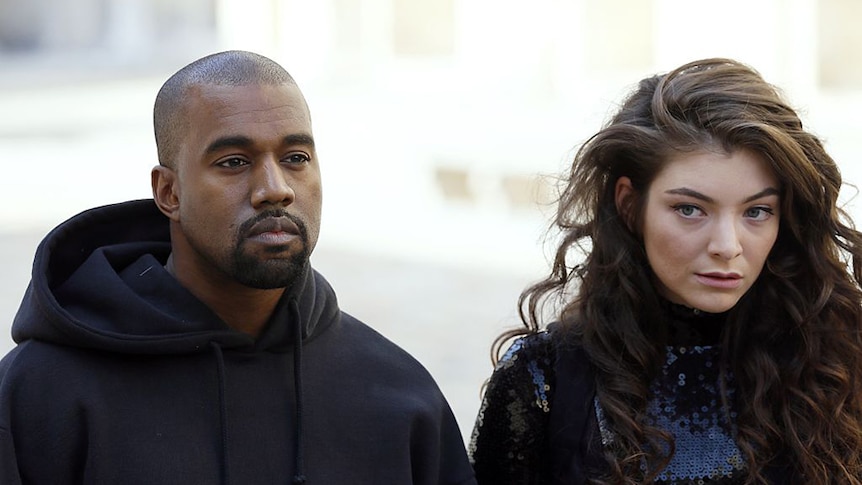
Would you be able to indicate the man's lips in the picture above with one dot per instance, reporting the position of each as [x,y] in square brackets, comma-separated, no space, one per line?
[722,280]
[274,230]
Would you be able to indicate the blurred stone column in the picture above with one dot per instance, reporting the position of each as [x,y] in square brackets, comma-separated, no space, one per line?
[20,25]
[130,29]
[248,25]
[50,25]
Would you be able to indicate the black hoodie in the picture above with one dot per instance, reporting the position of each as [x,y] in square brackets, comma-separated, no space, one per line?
[121,375]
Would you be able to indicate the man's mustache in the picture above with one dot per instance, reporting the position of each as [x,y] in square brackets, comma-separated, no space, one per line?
[246,226]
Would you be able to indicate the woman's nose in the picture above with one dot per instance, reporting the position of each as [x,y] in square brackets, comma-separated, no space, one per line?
[724,242]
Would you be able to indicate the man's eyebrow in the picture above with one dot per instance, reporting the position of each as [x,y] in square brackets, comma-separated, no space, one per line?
[237,141]
[299,139]
[240,141]
[697,195]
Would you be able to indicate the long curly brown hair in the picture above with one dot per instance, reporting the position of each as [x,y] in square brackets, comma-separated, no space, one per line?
[792,342]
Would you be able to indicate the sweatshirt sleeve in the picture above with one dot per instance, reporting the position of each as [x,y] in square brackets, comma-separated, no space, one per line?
[9,474]
[509,443]
[41,437]
[454,465]
[8,460]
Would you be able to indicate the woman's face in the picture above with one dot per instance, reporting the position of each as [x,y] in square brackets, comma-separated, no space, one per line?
[709,223]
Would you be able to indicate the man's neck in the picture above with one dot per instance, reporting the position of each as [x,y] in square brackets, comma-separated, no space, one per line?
[242,308]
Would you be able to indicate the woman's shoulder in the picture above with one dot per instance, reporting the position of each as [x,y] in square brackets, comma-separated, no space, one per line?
[510,442]
[542,348]
[531,361]
[539,345]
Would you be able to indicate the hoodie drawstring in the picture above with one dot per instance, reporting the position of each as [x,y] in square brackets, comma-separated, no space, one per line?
[299,476]
[225,465]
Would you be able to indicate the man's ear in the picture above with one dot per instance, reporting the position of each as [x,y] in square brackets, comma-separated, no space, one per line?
[623,198]
[166,191]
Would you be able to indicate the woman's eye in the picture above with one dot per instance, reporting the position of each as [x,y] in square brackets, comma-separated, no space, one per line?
[759,213]
[688,210]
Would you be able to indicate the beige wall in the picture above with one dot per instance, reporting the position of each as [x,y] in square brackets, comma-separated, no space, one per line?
[466,102]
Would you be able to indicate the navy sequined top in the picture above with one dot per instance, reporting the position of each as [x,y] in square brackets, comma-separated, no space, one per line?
[531,429]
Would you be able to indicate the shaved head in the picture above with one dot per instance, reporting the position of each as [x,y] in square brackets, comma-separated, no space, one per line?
[230,68]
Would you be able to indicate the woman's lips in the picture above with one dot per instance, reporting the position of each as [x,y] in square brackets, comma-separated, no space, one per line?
[720,280]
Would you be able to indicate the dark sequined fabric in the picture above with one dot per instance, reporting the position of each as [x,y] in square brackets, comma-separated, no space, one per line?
[509,444]
[686,401]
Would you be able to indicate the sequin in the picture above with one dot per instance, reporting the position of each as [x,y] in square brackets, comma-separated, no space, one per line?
[604,430]
[706,451]
[509,444]
[513,412]
[541,387]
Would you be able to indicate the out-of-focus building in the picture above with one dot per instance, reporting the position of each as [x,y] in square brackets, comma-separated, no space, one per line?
[89,39]
[440,116]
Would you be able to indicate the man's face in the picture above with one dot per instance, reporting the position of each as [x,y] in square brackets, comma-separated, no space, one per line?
[247,186]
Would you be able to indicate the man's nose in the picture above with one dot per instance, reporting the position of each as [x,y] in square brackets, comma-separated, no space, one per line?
[271,184]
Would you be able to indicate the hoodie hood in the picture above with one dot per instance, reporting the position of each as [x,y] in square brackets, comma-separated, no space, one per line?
[125,376]
[99,282]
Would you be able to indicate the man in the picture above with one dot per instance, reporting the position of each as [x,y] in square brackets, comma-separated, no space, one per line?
[187,340]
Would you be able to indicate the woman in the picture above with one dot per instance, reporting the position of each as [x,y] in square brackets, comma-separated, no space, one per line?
[710,332]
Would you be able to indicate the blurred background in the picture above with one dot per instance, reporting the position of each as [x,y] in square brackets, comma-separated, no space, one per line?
[440,125]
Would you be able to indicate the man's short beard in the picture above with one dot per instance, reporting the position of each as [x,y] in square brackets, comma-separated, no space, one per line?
[268,274]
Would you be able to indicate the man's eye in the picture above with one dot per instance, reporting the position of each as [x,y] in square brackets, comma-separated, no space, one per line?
[297,158]
[233,162]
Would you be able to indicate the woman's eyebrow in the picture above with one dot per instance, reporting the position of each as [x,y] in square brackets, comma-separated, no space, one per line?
[697,195]
[763,193]
[690,193]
